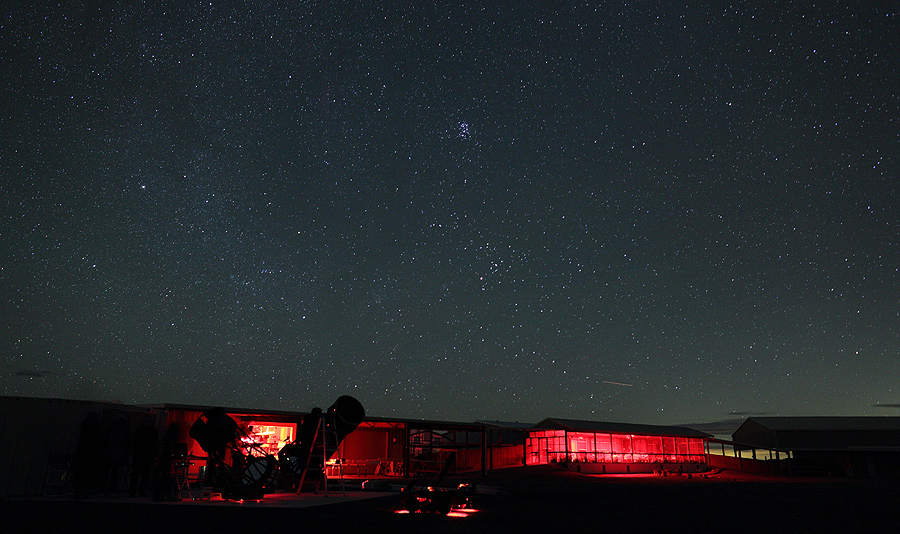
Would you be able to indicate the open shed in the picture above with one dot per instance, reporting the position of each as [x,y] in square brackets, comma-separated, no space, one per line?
[406,447]
[854,446]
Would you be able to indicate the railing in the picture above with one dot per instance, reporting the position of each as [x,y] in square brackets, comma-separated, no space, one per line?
[728,455]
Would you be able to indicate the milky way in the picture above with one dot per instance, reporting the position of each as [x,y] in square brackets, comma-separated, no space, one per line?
[454,212]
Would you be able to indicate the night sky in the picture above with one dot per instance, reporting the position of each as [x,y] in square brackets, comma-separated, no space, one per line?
[649,212]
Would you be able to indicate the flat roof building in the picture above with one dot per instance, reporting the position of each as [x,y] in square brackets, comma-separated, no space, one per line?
[608,447]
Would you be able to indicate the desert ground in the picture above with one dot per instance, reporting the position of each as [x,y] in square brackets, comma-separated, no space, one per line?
[532,499]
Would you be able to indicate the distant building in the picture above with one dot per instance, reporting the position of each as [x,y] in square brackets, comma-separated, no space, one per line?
[844,446]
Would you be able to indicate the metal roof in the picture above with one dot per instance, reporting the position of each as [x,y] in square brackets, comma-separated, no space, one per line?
[230,410]
[428,423]
[578,425]
[506,425]
[829,423]
[820,433]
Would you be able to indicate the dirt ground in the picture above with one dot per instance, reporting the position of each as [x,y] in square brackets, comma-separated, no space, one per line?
[515,500]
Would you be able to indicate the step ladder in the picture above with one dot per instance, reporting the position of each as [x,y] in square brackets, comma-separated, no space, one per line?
[325,442]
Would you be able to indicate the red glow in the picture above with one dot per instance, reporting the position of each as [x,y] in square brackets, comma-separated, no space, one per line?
[266,438]
[462,512]
[594,447]
[456,512]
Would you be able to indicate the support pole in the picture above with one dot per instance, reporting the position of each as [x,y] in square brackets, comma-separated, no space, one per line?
[484,456]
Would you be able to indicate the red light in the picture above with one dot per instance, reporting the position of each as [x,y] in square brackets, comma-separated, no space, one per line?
[456,512]
[465,510]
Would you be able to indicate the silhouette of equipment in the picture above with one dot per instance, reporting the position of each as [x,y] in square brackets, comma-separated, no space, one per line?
[430,497]
[240,476]
[318,438]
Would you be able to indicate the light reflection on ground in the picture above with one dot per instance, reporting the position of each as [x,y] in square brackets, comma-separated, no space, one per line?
[456,512]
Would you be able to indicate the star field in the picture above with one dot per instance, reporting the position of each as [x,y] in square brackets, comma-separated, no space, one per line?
[628,211]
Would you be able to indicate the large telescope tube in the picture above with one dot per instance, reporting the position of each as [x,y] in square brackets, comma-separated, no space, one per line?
[214,431]
[348,414]
[306,451]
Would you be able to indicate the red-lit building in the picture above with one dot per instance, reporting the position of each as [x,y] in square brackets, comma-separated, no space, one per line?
[378,447]
[268,429]
[405,447]
[599,447]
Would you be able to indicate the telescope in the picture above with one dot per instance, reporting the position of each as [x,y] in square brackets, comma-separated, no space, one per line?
[237,475]
[319,436]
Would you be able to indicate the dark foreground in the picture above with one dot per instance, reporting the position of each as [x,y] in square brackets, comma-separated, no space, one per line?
[529,499]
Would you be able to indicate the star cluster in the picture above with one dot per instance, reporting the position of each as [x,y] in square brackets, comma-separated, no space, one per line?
[641,211]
